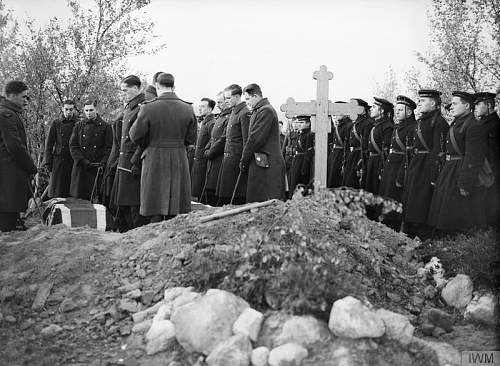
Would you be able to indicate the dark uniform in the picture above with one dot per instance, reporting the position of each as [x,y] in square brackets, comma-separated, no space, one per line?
[357,151]
[90,143]
[112,163]
[302,170]
[58,159]
[337,147]
[492,125]
[236,138]
[215,154]
[168,124]
[449,210]
[396,165]
[288,151]
[379,141]
[127,184]
[199,170]
[428,147]
[262,155]
[16,165]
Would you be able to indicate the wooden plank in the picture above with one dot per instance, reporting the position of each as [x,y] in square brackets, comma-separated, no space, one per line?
[293,108]
[345,109]
[237,210]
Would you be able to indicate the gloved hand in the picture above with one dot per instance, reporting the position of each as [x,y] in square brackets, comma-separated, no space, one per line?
[85,163]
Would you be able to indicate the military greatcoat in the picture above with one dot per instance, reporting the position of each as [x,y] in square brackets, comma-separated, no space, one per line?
[90,142]
[215,149]
[379,141]
[264,183]
[168,124]
[16,164]
[127,183]
[429,135]
[356,150]
[449,210]
[337,147]
[236,138]
[199,170]
[57,156]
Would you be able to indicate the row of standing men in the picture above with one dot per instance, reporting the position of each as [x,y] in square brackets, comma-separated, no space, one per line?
[445,175]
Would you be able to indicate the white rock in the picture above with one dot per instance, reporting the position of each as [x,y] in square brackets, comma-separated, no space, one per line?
[160,336]
[185,298]
[351,319]
[203,324]
[483,310]
[249,323]
[447,355]
[173,292]
[303,330]
[287,355]
[259,356]
[143,326]
[163,313]
[234,351]
[51,330]
[149,312]
[397,326]
[458,291]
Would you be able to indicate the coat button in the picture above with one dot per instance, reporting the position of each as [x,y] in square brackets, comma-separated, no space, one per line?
[83,135]
[95,146]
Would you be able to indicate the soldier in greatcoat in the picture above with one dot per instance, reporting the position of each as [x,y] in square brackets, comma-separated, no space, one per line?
[214,152]
[127,183]
[58,160]
[16,164]
[199,170]
[458,200]
[337,147]
[379,140]
[356,148]
[231,180]
[397,161]
[166,125]
[90,145]
[112,163]
[261,156]
[423,170]
[302,169]
[485,111]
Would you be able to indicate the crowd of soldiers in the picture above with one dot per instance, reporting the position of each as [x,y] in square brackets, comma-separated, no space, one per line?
[155,157]
[445,174]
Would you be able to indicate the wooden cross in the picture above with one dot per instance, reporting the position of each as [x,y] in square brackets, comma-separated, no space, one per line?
[320,110]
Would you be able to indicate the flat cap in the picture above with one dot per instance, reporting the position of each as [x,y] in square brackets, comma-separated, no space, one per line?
[401,99]
[383,102]
[482,96]
[468,97]
[361,102]
[431,93]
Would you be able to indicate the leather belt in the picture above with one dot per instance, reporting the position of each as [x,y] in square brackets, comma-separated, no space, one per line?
[397,152]
[453,157]
[374,154]
[338,147]
[173,143]
[299,153]
[352,148]
[417,151]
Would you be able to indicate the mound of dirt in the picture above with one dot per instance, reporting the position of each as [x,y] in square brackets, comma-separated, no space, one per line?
[85,273]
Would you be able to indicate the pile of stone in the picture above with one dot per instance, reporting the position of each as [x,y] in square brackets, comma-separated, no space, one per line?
[225,330]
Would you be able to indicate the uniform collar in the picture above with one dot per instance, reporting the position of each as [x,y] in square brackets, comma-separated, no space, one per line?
[135,101]
[225,112]
[96,121]
[239,107]
[207,118]
[261,103]
[168,95]
[8,104]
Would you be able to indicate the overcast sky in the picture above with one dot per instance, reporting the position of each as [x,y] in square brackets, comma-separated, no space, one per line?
[275,43]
